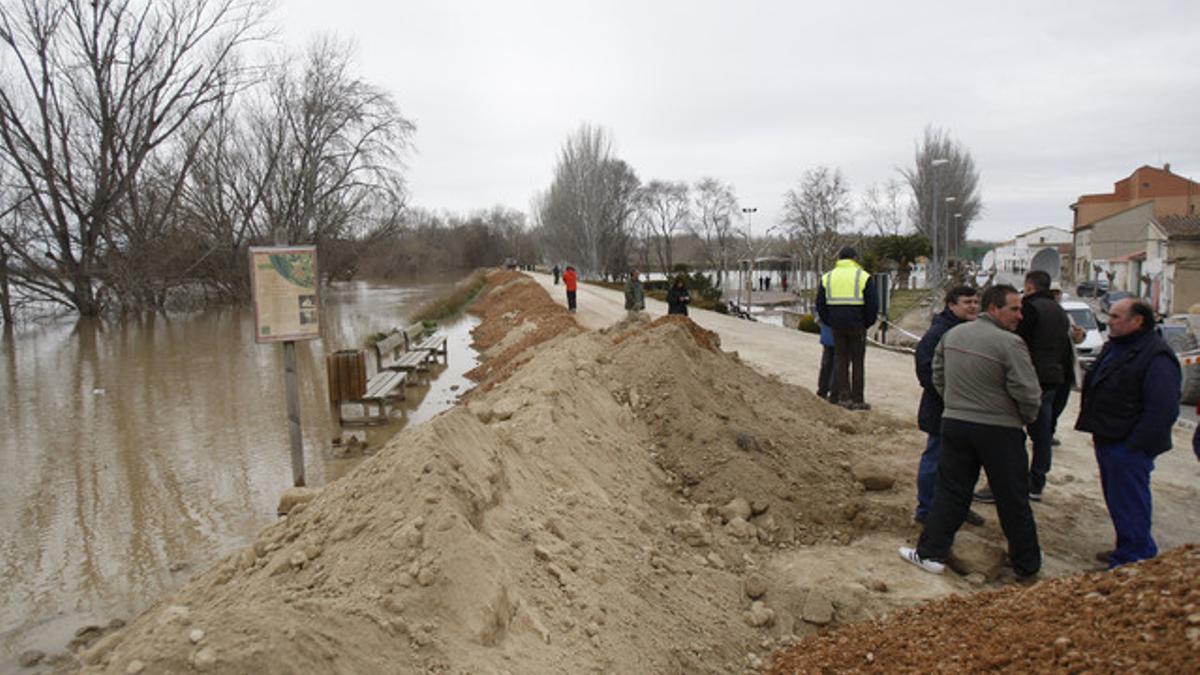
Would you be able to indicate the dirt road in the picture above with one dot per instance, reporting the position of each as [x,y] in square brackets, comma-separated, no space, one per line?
[1073,523]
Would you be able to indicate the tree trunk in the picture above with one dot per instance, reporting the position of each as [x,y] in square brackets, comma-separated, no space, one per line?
[5,300]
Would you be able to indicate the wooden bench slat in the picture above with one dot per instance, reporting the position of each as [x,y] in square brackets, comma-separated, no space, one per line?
[383,384]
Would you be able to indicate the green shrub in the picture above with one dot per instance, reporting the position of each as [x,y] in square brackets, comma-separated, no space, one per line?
[808,324]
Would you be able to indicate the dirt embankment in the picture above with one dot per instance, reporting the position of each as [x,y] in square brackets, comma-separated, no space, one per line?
[1139,618]
[603,502]
[626,500]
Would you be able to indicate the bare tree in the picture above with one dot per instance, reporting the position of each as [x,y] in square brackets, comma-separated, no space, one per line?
[586,213]
[957,179]
[883,208]
[715,207]
[816,212]
[663,209]
[94,91]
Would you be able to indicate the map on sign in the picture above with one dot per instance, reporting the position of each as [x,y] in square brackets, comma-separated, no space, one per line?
[284,283]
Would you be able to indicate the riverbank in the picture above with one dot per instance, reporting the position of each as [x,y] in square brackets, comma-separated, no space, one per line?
[629,499]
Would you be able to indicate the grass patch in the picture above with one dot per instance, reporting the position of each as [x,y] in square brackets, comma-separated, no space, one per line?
[904,299]
[453,302]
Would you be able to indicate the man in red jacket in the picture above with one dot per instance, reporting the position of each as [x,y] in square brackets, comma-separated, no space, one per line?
[569,280]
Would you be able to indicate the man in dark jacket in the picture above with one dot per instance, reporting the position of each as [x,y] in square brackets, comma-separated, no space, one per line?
[1129,404]
[1046,330]
[848,303]
[677,297]
[962,304]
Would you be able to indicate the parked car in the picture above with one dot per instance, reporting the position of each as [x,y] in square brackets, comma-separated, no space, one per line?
[1092,288]
[510,263]
[1180,331]
[1111,298]
[1081,314]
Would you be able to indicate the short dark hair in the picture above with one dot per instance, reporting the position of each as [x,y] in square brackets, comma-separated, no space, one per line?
[957,292]
[996,296]
[1040,279]
[1143,309]
[847,253]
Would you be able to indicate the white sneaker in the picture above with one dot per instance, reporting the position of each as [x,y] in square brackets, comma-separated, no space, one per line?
[932,566]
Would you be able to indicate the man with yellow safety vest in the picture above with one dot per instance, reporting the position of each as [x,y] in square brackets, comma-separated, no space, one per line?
[848,303]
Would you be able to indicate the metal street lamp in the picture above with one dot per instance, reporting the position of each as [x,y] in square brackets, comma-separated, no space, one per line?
[937,266]
[957,233]
[749,211]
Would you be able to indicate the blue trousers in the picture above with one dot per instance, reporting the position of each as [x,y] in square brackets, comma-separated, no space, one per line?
[1125,479]
[927,475]
[1041,432]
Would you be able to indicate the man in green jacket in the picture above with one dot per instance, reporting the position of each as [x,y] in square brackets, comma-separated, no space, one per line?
[983,372]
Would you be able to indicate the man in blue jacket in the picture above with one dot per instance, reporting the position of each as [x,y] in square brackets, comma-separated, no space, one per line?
[962,305]
[1129,403]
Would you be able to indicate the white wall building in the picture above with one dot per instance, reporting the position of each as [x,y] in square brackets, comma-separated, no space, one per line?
[1011,260]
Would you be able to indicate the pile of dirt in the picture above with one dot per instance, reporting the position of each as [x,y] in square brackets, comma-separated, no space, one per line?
[604,502]
[1143,617]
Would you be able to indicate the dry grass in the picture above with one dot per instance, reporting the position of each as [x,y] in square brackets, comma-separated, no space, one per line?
[453,302]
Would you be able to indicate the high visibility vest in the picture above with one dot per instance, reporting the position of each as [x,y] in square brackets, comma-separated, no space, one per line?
[845,284]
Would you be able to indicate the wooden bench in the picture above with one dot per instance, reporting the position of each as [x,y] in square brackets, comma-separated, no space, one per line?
[393,353]
[384,385]
[434,344]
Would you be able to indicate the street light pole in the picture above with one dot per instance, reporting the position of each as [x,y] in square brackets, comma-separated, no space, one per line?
[937,266]
[957,235]
[750,211]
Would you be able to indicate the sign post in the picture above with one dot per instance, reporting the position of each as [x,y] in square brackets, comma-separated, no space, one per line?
[286,308]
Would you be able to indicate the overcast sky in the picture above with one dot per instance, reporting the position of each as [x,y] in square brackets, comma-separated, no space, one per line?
[1052,99]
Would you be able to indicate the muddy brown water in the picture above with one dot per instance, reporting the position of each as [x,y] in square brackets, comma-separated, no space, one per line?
[134,453]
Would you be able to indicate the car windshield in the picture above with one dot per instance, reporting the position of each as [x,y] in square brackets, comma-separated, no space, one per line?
[1083,318]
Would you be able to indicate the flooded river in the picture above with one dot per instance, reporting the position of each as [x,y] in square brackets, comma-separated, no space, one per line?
[134,453]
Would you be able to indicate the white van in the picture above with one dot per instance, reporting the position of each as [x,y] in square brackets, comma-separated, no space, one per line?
[1081,315]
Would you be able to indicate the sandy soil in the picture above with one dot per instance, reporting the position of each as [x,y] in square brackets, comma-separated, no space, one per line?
[615,497]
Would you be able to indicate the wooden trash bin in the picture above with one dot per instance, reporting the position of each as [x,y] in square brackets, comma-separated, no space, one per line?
[346,370]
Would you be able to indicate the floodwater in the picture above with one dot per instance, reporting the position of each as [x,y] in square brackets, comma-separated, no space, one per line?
[135,453]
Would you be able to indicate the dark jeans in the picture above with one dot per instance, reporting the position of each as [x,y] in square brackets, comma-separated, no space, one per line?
[850,349]
[825,382]
[1041,432]
[1125,480]
[1061,394]
[571,300]
[927,475]
[966,446]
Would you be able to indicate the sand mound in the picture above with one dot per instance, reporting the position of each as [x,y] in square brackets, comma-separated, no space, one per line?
[1143,617]
[601,503]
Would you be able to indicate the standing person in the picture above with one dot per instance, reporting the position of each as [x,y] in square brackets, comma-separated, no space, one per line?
[557,272]
[986,379]
[1046,331]
[1129,404]
[677,297]
[783,283]
[635,295]
[826,387]
[570,281]
[962,305]
[848,302]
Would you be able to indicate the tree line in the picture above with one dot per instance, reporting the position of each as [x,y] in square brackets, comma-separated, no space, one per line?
[145,145]
[598,214]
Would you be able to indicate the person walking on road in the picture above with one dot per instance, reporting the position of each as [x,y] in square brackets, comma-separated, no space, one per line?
[848,303]
[557,272]
[677,297]
[570,281]
[962,305]
[987,382]
[1046,330]
[635,295]
[1129,404]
